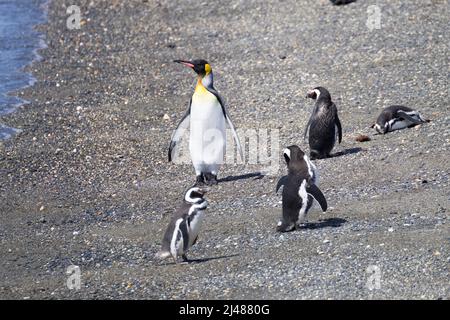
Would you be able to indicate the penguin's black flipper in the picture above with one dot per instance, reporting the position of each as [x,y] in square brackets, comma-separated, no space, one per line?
[315,192]
[307,129]
[402,114]
[341,2]
[281,182]
[179,131]
[184,234]
[339,127]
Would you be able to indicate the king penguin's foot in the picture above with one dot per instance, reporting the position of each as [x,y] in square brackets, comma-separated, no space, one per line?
[200,181]
[211,179]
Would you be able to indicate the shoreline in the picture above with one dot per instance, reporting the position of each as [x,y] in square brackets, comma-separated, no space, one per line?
[87,181]
[6,131]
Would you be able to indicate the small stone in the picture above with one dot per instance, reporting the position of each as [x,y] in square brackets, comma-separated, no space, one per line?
[391,229]
[166,117]
[362,138]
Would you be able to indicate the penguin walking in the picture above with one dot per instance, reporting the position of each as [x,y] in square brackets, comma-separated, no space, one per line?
[300,189]
[184,227]
[206,116]
[396,118]
[323,125]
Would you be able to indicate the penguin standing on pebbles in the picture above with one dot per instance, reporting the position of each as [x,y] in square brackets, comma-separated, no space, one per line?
[184,227]
[323,125]
[396,118]
[206,116]
[300,189]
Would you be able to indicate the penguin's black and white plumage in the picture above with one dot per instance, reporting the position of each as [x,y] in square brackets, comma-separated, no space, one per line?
[300,189]
[184,226]
[323,126]
[396,118]
[206,117]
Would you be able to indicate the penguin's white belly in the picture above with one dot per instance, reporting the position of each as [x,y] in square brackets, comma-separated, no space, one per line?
[207,132]
[177,244]
[397,125]
[195,225]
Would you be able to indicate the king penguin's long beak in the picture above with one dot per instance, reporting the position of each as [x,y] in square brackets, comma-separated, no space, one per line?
[184,62]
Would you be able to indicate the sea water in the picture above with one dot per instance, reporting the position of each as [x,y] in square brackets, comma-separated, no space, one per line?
[19,44]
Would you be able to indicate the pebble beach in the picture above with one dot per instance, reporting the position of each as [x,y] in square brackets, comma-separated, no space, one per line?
[86,182]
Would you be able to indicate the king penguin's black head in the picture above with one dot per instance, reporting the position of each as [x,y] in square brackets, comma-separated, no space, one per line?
[319,92]
[200,66]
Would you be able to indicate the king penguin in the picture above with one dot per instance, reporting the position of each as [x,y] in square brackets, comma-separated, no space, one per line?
[323,125]
[396,118]
[206,116]
[184,227]
[300,189]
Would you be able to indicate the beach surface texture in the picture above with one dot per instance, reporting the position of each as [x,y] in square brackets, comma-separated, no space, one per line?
[86,181]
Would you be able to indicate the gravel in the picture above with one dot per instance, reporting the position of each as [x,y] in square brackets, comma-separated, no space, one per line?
[86,181]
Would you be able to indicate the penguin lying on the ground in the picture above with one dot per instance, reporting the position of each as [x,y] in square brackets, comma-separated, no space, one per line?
[184,227]
[396,118]
[323,125]
[300,189]
[206,116]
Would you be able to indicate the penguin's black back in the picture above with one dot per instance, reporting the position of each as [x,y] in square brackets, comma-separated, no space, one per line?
[297,173]
[390,113]
[291,199]
[182,213]
[322,130]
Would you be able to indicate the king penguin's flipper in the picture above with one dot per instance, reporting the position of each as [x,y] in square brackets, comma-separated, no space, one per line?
[315,192]
[339,127]
[179,131]
[281,182]
[227,117]
[402,114]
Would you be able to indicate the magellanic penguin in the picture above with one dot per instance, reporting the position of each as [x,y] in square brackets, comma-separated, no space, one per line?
[300,189]
[397,117]
[206,116]
[323,125]
[184,227]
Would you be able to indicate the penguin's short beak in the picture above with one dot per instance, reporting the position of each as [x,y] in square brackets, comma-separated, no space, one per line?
[311,94]
[186,63]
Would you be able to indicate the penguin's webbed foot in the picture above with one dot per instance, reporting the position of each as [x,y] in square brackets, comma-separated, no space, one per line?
[200,180]
[211,179]
[185,259]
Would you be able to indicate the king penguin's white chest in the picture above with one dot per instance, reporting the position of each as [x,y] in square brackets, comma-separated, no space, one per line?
[206,111]
[207,129]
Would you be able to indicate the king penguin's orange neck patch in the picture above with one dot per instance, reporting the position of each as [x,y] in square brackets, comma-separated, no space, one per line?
[200,88]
